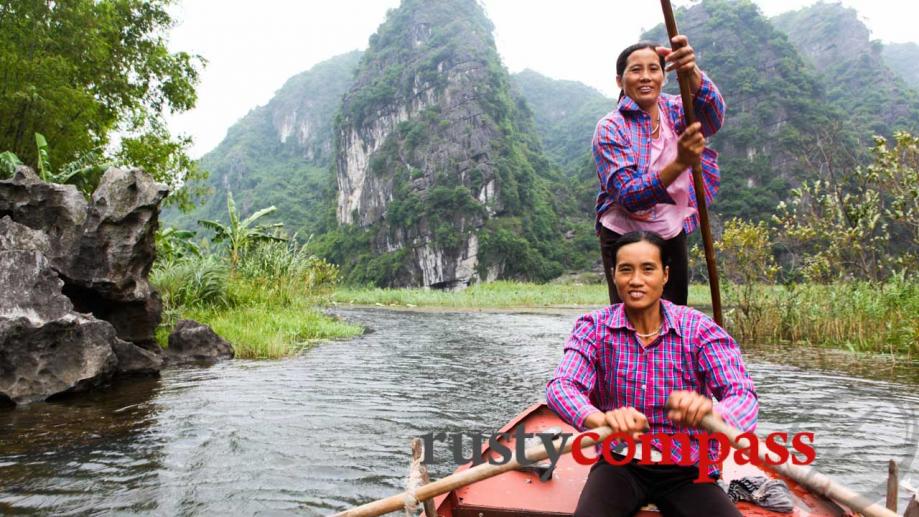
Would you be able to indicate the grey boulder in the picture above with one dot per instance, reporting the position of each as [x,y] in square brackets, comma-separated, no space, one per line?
[193,342]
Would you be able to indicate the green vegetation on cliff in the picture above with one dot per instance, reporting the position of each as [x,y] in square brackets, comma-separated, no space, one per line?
[280,154]
[851,68]
[565,113]
[463,162]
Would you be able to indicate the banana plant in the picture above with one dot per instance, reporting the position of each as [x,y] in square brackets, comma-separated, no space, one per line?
[173,244]
[240,234]
[8,164]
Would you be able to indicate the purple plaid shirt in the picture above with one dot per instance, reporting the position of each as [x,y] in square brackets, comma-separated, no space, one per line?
[605,367]
[622,152]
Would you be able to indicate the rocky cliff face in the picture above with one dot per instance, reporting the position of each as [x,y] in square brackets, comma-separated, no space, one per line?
[432,145]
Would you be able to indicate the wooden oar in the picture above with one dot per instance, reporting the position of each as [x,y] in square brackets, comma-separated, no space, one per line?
[701,205]
[466,477]
[805,476]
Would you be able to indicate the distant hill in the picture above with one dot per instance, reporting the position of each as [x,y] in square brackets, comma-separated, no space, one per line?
[852,68]
[422,162]
[776,104]
[903,58]
[566,114]
[281,153]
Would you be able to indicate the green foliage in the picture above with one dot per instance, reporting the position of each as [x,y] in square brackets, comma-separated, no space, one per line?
[565,115]
[238,234]
[8,164]
[834,234]
[266,307]
[173,244]
[746,262]
[78,71]
[197,281]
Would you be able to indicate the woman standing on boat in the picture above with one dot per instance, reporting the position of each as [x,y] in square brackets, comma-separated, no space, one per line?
[648,365]
[644,152]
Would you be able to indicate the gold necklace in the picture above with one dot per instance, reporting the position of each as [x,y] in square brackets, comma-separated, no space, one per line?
[658,331]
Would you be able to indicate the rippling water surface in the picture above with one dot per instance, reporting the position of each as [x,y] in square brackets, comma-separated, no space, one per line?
[331,428]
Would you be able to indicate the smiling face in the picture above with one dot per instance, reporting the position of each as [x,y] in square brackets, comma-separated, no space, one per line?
[642,78]
[639,275]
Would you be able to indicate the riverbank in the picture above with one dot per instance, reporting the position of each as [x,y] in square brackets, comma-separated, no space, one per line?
[269,304]
[859,317]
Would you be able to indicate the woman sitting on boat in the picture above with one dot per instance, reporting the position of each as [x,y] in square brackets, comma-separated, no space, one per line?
[643,154]
[648,365]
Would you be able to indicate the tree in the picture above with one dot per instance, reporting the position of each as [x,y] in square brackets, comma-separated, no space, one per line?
[81,71]
[239,235]
[861,222]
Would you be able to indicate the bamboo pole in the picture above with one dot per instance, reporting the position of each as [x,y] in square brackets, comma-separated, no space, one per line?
[466,477]
[807,477]
[698,184]
[893,484]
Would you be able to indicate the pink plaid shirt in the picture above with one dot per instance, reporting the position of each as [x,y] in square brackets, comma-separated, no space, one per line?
[622,152]
[604,367]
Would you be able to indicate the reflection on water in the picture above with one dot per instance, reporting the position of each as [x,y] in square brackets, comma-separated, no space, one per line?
[331,428]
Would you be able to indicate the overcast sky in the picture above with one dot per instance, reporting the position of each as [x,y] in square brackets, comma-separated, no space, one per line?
[253,47]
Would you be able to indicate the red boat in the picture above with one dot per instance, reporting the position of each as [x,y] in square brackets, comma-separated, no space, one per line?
[521,493]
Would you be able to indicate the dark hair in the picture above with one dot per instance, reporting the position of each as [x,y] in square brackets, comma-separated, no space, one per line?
[639,236]
[624,57]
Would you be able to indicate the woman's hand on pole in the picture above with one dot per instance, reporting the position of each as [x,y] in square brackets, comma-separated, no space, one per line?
[690,146]
[688,407]
[682,60]
[626,420]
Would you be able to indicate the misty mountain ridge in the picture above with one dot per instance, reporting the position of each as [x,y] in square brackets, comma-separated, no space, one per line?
[421,161]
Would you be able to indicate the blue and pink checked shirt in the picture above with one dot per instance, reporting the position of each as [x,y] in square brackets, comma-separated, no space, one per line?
[604,367]
[622,152]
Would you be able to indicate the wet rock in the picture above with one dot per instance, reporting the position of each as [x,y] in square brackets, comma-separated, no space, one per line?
[43,358]
[76,307]
[192,342]
[46,348]
[134,360]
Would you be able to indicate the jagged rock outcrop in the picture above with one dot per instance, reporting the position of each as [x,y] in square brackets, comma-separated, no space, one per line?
[58,211]
[107,270]
[45,347]
[193,342]
[103,249]
[74,298]
[434,148]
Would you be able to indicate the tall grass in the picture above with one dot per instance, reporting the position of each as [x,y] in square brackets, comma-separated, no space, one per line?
[497,295]
[858,316]
[266,307]
[879,318]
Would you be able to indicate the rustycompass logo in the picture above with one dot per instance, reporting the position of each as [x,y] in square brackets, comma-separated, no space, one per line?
[674,448]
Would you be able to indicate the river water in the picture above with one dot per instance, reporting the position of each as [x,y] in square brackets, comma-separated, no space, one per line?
[331,428]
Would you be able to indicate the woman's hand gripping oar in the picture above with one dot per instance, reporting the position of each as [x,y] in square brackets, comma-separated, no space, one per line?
[805,476]
[467,477]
